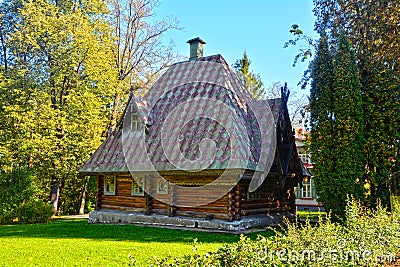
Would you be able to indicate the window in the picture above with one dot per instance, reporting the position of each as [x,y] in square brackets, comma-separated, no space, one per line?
[162,186]
[136,123]
[253,195]
[306,158]
[306,192]
[109,185]
[137,186]
[308,189]
[298,191]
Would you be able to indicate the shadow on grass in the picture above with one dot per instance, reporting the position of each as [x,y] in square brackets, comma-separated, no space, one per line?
[81,229]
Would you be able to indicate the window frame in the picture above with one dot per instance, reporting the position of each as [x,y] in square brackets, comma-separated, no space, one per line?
[136,123]
[139,182]
[254,195]
[158,188]
[305,158]
[306,191]
[110,192]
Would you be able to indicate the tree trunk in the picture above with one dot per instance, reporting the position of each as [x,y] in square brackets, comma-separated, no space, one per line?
[82,200]
[55,194]
[114,114]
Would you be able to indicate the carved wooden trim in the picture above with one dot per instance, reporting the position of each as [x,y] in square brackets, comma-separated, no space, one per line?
[238,202]
[231,204]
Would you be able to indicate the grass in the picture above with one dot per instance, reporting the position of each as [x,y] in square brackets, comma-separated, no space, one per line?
[77,243]
[311,215]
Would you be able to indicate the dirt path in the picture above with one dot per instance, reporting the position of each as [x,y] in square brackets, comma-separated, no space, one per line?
[70,217]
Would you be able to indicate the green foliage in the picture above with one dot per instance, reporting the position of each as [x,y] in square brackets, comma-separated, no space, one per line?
[66,69]
[369,238]
[251,80]
[336,121]
[60,78]
[19,198]
[304,53]
[348,123]
[90,203]
[16,187]
[35,211]
[372,28]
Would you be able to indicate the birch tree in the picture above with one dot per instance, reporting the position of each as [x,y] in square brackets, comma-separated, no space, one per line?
[139,50]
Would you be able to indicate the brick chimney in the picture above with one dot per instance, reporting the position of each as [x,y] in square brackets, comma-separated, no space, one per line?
[196,48]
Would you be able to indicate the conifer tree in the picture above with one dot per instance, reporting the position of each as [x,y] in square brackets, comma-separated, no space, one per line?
[373,30]
[337,126]
[321,120]
[348,126]
[252,81]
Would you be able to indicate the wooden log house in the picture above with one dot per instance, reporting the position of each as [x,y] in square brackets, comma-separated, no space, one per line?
[122,191]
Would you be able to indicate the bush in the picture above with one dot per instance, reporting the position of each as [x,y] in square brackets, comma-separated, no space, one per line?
[16,187]
[19,198]
[369,238]
[35,211]
[6,216]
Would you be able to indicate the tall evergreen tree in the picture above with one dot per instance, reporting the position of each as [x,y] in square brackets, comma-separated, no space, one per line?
[252,81]
[348,125]
[337,126]
[321,121]
[373,30]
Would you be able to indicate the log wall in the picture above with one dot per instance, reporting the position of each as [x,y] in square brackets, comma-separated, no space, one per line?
[235,205]
[272,198]
[123,200]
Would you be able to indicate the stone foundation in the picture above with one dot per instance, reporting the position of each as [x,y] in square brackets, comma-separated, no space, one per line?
[245,224]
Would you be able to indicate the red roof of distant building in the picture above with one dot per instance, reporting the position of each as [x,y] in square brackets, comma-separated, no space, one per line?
[301,134]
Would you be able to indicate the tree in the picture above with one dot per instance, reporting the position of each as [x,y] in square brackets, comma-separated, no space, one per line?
[348,122]
[61,77]
[252,81]
[8,20]
[336,122]
[372,28]
[68,68]
[296,104]
[321,122]
[138,50]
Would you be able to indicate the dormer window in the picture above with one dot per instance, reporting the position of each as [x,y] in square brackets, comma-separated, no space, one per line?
[136,123]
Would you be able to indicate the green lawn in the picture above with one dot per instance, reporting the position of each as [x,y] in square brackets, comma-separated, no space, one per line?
[77,243]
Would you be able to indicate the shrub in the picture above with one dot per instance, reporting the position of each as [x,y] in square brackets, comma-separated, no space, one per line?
[35,211]
[19,198]
[369,238]
[16,187]
[6,216]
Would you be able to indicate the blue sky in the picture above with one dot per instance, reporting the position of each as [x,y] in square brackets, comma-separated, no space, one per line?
[261,27]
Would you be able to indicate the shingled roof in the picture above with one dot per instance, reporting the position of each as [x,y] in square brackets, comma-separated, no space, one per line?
[174,88]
